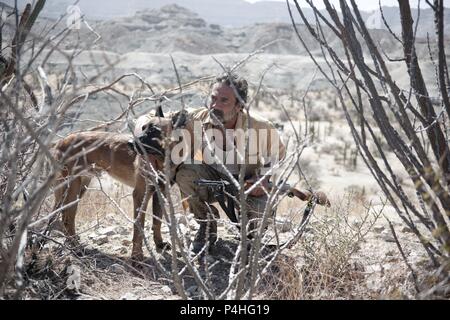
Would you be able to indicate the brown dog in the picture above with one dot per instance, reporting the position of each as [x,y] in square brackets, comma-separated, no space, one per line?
[126,158]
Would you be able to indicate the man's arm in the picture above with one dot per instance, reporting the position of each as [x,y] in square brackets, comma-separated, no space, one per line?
[274,152]
[258,191]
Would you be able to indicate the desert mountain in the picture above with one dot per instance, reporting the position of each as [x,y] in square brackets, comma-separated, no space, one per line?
[174,28]
[230,13]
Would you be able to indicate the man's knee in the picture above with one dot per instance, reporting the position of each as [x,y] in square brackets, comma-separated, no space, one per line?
[185,177]
[257,205]
[188,173]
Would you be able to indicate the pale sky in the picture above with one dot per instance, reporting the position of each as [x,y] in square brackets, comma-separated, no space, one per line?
[365,5]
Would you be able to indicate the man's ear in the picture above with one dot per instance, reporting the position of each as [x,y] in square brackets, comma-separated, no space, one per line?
[179,119]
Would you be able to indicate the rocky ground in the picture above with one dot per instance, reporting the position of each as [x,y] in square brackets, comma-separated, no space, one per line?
[355,255]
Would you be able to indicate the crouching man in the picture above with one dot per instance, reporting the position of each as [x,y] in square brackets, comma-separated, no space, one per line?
[219,153]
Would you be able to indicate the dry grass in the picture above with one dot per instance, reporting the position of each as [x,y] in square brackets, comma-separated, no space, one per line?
[322,266]
[95,204]
[49,260]
[284,281]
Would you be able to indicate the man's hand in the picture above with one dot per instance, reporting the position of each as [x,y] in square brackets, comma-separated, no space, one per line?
[258,191]
[321,197]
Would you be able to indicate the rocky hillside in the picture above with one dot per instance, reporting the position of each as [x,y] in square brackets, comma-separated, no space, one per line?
[230,13]
[174,28]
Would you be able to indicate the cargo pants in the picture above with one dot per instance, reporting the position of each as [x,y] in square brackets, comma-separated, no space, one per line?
[201,198]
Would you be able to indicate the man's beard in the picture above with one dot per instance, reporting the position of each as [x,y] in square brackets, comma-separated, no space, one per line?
[220,118]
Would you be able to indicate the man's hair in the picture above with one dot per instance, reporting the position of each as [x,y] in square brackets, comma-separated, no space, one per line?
[233,80]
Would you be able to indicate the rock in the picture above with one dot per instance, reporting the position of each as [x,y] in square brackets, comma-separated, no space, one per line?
[423,263]
[116,237]
[129,296]
[183,229]
[166,290]
[210,259]
[117,268]
[165,228]
[155,297]
[107,231]
[388,238]
[120,249]
[379,229]
[74,279]
[193,291]
[374,268]
[191,222]
[357,223]
[101,240]
[123,231]
[374,283]
[126,242]
[231,229]
[181,219]
[391,253]
[284,224]
[391,259]
[388,266]
[407,230]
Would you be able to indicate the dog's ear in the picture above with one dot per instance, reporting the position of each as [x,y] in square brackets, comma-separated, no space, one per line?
[179,119]
[159,112]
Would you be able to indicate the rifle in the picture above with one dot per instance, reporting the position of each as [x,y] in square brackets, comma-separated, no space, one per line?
[224,192]
[214,184]
[304,195]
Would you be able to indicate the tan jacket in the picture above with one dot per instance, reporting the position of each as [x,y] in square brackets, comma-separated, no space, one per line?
[265,146]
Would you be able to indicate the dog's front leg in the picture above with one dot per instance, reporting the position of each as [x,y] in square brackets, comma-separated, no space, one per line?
[141,196]
[157,221]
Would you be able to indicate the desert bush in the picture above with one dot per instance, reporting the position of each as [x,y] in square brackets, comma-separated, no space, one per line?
[320,111]
[33,113]
[329,270]
[363,83]
[325,266]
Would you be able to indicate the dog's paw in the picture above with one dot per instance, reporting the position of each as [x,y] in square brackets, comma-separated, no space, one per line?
[137,256]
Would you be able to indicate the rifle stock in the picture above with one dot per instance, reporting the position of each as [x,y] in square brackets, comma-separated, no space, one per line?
[303,195]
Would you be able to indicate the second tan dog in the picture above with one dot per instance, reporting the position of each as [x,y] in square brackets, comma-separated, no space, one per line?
[126,158]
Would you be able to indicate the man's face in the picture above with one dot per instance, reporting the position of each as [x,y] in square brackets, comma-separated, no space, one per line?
[224,104]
